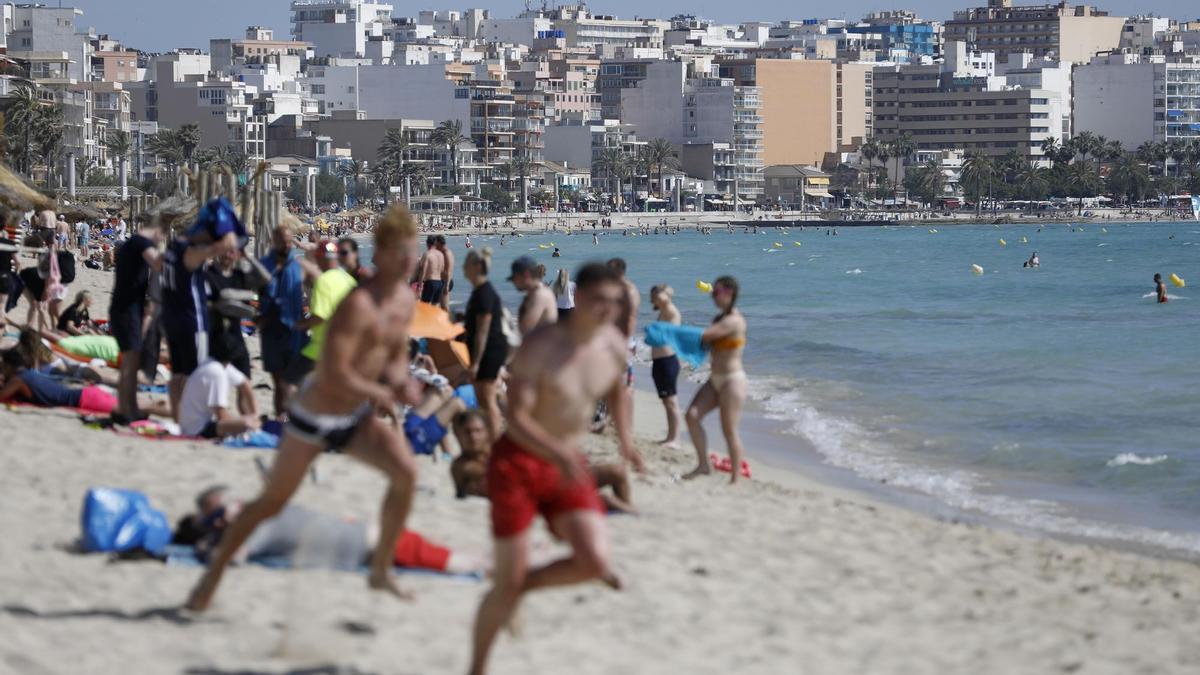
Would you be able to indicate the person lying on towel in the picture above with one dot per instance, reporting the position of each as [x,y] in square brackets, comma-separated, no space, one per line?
[303,536]
[21,383]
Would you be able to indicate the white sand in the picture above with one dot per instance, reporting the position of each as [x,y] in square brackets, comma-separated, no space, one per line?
[779,575]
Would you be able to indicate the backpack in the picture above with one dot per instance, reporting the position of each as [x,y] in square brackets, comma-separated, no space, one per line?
[66,267]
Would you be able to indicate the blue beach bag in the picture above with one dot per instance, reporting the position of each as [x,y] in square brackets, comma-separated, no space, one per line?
[122,520]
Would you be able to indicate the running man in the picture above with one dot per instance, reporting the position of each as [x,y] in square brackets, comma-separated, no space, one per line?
[363,367]
[558,374]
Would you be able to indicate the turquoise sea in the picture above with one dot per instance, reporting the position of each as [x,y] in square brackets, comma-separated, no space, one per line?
[1062,399]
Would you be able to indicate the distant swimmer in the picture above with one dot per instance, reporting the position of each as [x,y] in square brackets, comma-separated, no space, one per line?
[1033,261]
[557,253]
[468,242]
[1160,288]
[595,240]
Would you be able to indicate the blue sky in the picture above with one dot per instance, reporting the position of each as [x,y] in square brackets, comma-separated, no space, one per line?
[159,25]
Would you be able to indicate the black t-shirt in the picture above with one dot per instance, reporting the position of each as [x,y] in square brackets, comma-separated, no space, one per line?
[485,300]
[132,275]
[6,257]
[73,314]
[218,282]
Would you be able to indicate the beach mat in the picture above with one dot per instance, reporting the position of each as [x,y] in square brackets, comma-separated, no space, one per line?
[185,556]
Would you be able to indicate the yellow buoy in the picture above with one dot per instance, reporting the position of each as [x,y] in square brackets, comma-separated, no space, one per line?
[1003,243]
[1104,230]
[1177,280]
[797,243]
[976,269]
[704,286]
[777,245]
[932,231]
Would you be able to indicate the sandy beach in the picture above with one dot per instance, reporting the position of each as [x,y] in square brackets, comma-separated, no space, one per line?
[780,574]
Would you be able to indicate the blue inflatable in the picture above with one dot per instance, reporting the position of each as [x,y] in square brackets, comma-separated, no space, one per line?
[122,520]
[685,340]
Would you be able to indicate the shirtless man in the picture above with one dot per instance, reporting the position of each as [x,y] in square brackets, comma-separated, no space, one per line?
[448,273]
[431,271]
[539,307]
[363,367]
[558,374]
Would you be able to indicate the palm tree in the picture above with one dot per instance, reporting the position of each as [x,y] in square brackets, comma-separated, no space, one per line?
[883,153]
[977,173]
[612,164]
[189,140]
[23,110]
[119,146]
[869,150]
[660,153]
[354,170]
[48,136]
[1083,182]
[394,148]
[1031,181]
[449,134]
[1147,153]
[167,146]
[1177,150]
[902,148]
[1129,178]
[521,166]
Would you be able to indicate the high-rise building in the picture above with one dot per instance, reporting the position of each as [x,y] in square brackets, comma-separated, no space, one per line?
[808,107]
[962,104]
[904,37]
[1136,99]
[1063,31]
[339,27]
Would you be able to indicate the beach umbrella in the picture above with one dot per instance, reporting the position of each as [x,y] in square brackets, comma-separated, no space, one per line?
[16,193]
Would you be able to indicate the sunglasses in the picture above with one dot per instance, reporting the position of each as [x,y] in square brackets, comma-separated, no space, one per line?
[345,253]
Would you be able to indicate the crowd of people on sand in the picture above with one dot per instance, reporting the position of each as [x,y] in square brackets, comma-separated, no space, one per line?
[346,377]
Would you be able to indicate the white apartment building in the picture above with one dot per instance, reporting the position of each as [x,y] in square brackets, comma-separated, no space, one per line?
[580,28]
[339,27]
[684,109]
[1134,99]
[580,144]
[38,28]
[221,107]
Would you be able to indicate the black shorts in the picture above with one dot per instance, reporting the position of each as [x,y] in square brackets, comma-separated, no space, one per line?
[431,292]
[280,346]
[125,324]
[298,369]
[188,347]
[209,430]
[665,371]
[35,285]
[564,315]
[5,283]
[241,359]
[495,354]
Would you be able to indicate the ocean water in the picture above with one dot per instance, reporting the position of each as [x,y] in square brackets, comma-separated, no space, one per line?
[1061,398]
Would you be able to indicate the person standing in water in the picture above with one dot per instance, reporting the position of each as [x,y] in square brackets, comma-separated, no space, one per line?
[1160,288]
[726,386]
[564,293]
[486,342]
[664,367]
[363,368]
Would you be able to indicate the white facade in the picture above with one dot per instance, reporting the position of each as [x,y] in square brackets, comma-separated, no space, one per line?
[339,27]
[1134,100]
[37,28]
[390,92]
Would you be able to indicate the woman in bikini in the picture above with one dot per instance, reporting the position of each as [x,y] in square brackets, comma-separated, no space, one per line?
[726,386]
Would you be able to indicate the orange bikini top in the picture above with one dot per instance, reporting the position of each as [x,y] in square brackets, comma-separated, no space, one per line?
[727,344]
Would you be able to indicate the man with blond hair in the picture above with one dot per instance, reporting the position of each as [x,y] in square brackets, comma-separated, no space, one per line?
[363,369]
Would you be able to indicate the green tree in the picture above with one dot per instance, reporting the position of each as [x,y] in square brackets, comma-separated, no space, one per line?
[659,154]
[354,171]
[502,199]
[868,151]
[330,189]
[613,165]
[901,149]
[978,174]
[449,134]
[1130,179]
[394,149]
[24,108]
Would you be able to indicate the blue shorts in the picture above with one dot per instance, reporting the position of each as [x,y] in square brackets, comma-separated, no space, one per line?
[424,433]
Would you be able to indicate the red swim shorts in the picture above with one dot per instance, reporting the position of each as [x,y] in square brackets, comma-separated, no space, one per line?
[521,485]
[413,550]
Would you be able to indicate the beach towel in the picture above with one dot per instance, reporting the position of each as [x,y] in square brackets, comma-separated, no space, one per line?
[186,556]
[685,340]
[122,520]
[103,347]
[253,439]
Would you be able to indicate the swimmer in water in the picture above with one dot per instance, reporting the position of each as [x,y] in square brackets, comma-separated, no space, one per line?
[1160,288]
[1033,261]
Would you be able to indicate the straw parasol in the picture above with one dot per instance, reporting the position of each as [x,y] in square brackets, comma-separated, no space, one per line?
[16,193]
[75,213]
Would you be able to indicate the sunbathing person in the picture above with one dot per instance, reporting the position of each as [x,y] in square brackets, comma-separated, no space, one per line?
[37,356]
[298,531]
[20,383]
[469,469]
